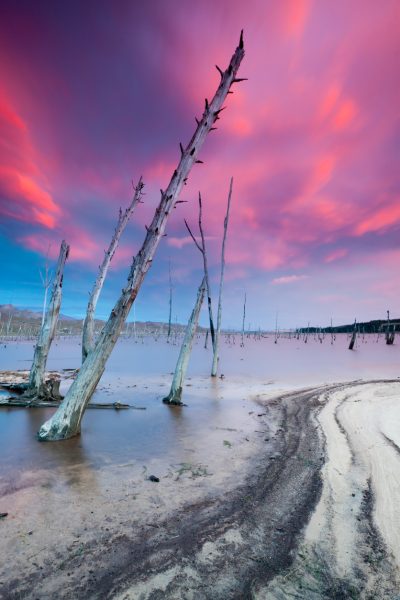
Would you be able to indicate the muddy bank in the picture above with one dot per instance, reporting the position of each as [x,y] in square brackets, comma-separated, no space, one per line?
[351,546]
[295,507]
[216,543]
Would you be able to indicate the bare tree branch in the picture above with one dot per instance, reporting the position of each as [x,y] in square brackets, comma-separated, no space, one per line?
[88,325]
[221,283]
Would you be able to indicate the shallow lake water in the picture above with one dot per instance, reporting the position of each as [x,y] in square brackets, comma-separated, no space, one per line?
[139,373]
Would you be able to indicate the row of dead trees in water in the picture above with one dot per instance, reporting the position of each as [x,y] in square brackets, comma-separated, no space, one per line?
[390,332]
[66,421]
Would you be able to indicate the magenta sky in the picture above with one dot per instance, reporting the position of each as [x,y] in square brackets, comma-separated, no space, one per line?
[93,94]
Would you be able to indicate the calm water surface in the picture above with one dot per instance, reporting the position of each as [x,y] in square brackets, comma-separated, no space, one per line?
[139,373]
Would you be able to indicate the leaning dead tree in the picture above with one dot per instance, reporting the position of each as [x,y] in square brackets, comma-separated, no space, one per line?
[37,387]
[88,325]
[221,284]
[202,248]
[66,421]
[175,394]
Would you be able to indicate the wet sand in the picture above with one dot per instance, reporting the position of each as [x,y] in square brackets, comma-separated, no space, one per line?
[271,494]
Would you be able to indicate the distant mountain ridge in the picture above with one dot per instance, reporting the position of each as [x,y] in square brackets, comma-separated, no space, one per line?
[24,315]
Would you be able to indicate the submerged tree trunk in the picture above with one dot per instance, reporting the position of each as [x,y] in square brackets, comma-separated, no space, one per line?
[88,325]
[206,340]
[221,284]
[175,394]
[66,422]
[36,385]
[353,336]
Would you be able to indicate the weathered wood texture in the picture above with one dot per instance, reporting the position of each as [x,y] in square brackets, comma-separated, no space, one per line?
[36,385]
[88,325]
[175,394]
[66,422]
[214,368]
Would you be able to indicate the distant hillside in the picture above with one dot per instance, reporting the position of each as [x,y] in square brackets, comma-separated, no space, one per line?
[364,327]
[16,321]
[6,310]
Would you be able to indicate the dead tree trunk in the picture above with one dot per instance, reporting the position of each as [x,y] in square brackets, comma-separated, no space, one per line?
[221,284]
[244,317]
[170,304]
[206,340]
[88,325]
[66,422]
[36,385]
[203,251]
[46,280]
[389,336]
[387,332]
[175,394]
[353,336]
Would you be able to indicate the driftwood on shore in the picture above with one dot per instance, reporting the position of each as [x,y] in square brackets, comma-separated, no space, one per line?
[22,402]
[12,382]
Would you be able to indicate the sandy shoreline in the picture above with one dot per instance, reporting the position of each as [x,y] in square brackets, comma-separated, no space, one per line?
[300,502]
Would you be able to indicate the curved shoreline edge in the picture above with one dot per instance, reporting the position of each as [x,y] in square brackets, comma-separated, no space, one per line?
[282,532]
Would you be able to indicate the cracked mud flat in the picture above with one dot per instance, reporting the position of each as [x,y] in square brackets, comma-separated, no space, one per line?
[312,512]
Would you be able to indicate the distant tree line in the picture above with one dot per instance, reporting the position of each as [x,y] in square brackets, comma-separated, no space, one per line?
[376,326]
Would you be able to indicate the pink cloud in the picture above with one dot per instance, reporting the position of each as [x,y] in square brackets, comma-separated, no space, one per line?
[179,242]
[336,255]
[285,279]
[380,219]
[311,138]
[22,184]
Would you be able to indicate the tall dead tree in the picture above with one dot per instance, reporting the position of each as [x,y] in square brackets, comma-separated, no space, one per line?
[221,284]
[243,322]
[45,276]
[202,248]
[175,394]
[37,387]
[88,325]
[170,303]
[66,421]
